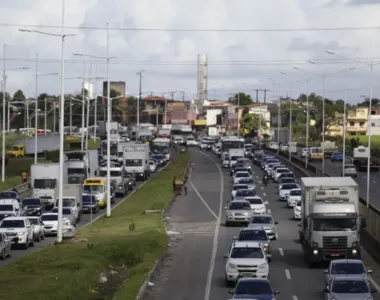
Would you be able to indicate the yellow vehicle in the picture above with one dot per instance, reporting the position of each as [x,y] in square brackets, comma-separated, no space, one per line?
[315,153]
[96,186]
[16,151]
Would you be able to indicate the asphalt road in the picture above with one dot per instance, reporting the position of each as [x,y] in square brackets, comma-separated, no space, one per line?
[335,169]
[194,268]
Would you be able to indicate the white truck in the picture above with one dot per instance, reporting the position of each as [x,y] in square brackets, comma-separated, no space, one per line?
[44,180]
[72,197]
[330,220]
[136,160]
[234,155]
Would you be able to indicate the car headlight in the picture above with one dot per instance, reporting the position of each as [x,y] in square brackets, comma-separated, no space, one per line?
[266,245]
[263,267]
[21,233]
[231,266]
[230,214]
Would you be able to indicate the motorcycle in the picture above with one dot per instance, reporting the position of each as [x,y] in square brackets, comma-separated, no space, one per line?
[265,180]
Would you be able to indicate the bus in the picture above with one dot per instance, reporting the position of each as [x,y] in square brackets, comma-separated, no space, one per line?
[161,146]
[231,142]
[96,186]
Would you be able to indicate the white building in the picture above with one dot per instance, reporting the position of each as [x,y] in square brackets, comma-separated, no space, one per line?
[375,125]
[262,110]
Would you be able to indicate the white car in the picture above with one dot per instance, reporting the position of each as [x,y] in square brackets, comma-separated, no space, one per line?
[50,221]
[225,161]
[38,228]
[191,141]
[285,189]
[297,211]
[284,148]
[237,187]
[293,197]
[18,230]
[245,259]
[258,205]
[240,175]
[152,166]
[274,168]
[280,171]
[304,152]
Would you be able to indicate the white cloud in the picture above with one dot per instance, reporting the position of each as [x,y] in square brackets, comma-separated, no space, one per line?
[181,48]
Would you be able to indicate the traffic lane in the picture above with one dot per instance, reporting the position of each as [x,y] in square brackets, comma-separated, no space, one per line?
[191,226]
[301,269]
[278,266]
[85,219]
[206,183]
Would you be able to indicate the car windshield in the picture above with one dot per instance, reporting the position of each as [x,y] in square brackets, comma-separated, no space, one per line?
[240,187]
[65,211]
[246,181]
[246,252]
[242,174]
[287,175]
[253,287]
[349,167]
[350,287]
[8,195]
[88,199]
[239,205]
[12,224]
[254,200]
[49,217]
[288,186]
[34,221]
[238,169]
[252,235]
[334,224]
[287,180]
[282,171]
[244,193]
[295,193]
[93,189]
[262,220]
[6,207]
[347,268]
[31,201]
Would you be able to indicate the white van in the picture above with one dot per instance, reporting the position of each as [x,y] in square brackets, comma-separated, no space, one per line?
[10,207]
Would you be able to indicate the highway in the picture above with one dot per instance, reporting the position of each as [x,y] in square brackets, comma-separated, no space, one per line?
[194,266]
[335,169]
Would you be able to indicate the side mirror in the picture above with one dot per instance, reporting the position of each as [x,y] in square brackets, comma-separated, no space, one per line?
[42,223]
[17,209]
[363,223]
[96,172]
[373,291]
[28,226]
[369,271]
[326,271]
[231,292]
[235,238]
[225,256]
[276,223]
[266,203]
[326,290]
[226,207]
[276,292]
[78,204]
[299,225]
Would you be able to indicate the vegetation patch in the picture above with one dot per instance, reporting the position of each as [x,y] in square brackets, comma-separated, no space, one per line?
[113,255]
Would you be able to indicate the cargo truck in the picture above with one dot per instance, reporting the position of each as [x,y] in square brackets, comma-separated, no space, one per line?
[76,166]
[26,146]
[360,158]
[72,197]
[136,160]
[329,148]
[330,220]
[44,180]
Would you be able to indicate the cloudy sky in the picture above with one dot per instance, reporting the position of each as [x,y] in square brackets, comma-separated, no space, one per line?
[256,46]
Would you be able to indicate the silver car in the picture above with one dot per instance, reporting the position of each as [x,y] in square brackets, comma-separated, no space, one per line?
[352,287]
[242,194]
[68,214]
[256,234]
[345,267]
[249,182]
[265,221]
[238,212]
[239,175]
[350,170]
[237,187]
[284,190]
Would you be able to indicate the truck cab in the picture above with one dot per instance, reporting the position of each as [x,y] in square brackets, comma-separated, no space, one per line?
[44,180]
[76,167]
[330,220]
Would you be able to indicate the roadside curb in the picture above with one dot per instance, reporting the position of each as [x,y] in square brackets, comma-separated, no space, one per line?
[162,257]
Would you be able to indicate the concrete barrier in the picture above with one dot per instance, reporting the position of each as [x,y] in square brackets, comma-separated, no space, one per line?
[370,236]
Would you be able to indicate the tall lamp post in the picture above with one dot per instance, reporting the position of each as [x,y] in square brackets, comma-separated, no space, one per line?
[107,58]
[370,64]
[63,36]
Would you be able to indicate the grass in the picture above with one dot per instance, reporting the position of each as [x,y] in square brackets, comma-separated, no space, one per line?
[10,183]
[363,140]
[123,247]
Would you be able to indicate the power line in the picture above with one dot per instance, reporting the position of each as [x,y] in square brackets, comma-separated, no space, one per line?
[356,28]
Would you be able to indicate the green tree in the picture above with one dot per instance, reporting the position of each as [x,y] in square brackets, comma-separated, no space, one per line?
[250,123]
[114,94]
[241,99]
[19,95]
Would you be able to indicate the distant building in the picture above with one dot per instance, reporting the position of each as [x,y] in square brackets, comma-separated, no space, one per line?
[118,86]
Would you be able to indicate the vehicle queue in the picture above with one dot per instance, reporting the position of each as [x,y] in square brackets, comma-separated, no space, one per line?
[248,259]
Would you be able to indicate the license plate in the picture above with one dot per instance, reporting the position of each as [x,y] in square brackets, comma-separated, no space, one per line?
[247,275]
[335,254]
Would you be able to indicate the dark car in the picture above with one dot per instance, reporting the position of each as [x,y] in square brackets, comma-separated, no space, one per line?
[253,288]
[35,206]
[9,195]
[337,156]
[159,158]
[89,203]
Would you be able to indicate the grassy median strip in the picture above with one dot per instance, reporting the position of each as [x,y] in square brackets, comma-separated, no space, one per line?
[113,255]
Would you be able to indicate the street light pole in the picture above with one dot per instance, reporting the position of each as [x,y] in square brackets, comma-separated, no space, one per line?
[3,141]
[83,111]
[108,131]
[307,121]
[344,123]
[36,114]
[238,111]
[369,135]
[88,108]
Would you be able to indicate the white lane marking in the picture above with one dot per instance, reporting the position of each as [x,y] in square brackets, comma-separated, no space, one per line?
[257,177]
[294,297]
[269,211]
[201,198]
[281,251]
[374,181]
[260,182]
[216,234]
[287,274]
[373,282]
[262,187]
[264,194]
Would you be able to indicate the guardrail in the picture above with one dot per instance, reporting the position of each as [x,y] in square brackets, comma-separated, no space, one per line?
[21,188]
[370,236]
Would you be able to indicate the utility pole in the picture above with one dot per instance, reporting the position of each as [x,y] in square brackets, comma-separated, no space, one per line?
[140,74]
[257,95]
[265,96]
